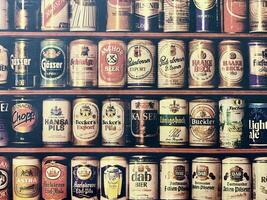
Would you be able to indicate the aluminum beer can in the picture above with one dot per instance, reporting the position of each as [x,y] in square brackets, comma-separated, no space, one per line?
[174,178]
[4,123]
[26,178]
[85,122]
[205,15]
[144,121]
[55,15]
[54,177]
[25,120]
[236,178]
[119,15]
[5,182]
[84,178]
[22,62]
[201,64]
[206,178]
[258,16]
[173,120]
[113,178]
[259,169]
[4,14]
[231,122]
[234,16]
[141,64]
[176,15]
[143,178]
[111,64]
[53,63]
[4,65]
[26,13]
[83,15]
[83,63]
[231,64]
[146,15]
[56,122]
[258,64]
[257,124]
[203,122]
[171,64]
[114,122]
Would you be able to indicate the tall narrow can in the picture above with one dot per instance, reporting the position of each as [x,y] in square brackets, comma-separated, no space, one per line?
[83,63]
[113,178]
[4,120]
[84,178]
[55,15]
[258,16]
[111,64]
[119,15]
[174,178]
[4,14]
[53,63]
[83,15]
[171,64]
[85,122]
[54,177]
[5,183]
[4,66]
[259,169]
[26,178]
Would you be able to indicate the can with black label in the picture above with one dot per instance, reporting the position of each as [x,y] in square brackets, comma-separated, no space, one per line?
[259,169]
[4,122]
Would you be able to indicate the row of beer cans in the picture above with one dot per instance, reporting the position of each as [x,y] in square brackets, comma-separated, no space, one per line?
[113,64]
[141,121]
[139,177]
[136,15]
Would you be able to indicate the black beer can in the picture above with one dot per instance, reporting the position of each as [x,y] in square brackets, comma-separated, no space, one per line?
[4,119]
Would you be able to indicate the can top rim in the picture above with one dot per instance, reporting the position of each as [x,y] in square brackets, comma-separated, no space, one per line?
[25,157]
[201,41]
[235,159]
[174,158]
[84,158]
[55,157]
[206,159]
[113,158]
[230,41]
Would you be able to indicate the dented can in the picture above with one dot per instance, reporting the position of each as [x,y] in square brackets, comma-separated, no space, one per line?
[259,167]
[258,16]
[4,176]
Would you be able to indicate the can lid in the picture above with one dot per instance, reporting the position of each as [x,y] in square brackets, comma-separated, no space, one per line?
[112,158]
[257,105]
[206,159]
[201,41]
[230,42]
[112,98]
[140,158]
[25,157]
[202,100]
[256,42]
[84,158]
[237,160]
[174,158]
[172,41]
[81,40]
[55,99]
[54,158]
[140,42]
[110,41]
[260,159]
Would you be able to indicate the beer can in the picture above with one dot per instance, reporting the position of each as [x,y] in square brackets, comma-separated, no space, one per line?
[83,63]
[141,58]
[176,15]
[26,15]
[4,14]
[111,64]
[237,178]
[206,178]
[54,15]
[26,178]
[231,64]
[25,120]
[113,178]
[258,16]
[173,122]
[22,62]
[259,169]
[56,122]
[119,15]
[231,122]
[257,124]
[144,121]
[171,64]
[201,64]
[85,126]
[114,122]
[5,183]
[203,122]
[4,123]
[234,16]
[146,15]
[54,177]
[205,15]
[53,63]
[174,178]
[4,65]
[83,15]
[258,64]
[143,178]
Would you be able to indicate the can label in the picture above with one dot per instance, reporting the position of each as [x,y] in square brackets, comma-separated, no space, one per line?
[143,182]
[85,121]
[4,13]
[258,15]
[3,65]
[173,120]
[26,181]
[4,118]
[171,64]
[259,180]
[4,183]
[204,4]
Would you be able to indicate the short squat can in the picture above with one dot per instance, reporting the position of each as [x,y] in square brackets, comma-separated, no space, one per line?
[258,16]
[259,169]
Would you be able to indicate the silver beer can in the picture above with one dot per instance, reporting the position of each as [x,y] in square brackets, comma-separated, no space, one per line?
[259,169]
[258,16]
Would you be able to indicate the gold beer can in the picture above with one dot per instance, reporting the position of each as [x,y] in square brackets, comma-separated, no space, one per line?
[26,178]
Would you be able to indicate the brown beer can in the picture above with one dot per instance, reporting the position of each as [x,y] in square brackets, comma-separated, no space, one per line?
[54,178]
[201,64]
[4,177]
[258,15]
[111,64]
[231,64]
[119,15]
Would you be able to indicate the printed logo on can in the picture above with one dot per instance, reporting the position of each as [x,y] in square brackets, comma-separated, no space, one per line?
[236,8]
[258,61]
[3,65]
[147,8]
[3,179]
[204,4]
